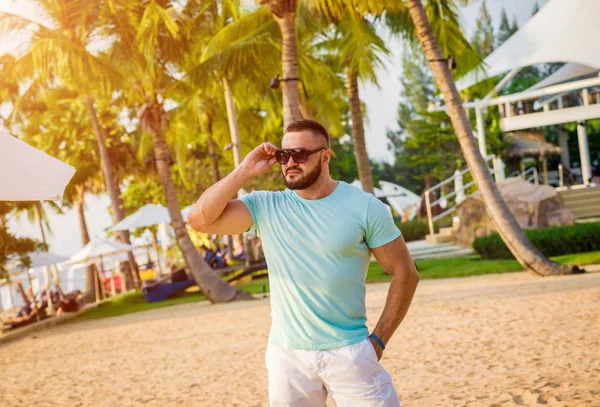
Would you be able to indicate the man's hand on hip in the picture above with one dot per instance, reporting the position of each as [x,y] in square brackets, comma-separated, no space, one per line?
[377,348]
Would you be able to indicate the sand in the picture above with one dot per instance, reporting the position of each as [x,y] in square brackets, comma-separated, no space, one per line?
[499,340]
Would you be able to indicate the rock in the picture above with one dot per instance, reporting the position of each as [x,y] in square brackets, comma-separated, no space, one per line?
[534,206]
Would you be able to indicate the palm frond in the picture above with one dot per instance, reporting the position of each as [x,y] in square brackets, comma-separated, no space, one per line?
[445,21]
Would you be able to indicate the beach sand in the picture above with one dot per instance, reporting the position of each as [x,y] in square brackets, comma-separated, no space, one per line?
[496,340]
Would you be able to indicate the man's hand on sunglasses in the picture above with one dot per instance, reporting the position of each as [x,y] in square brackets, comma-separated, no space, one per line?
[260,160]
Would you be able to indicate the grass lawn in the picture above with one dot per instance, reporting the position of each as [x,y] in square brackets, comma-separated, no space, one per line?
[135,301]
[474,266]
[428,269]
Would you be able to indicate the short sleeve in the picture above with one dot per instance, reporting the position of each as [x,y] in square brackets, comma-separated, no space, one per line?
[380,226]
[252,202]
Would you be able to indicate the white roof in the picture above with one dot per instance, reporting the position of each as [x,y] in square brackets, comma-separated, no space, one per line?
[28,174]
[562,31]
[567,72]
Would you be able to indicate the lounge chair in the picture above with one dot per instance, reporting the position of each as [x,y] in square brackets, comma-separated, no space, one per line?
[162,291]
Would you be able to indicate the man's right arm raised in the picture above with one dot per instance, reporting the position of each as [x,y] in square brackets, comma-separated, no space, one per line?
[216,211]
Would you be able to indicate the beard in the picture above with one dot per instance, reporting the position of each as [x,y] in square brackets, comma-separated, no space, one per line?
[304,180]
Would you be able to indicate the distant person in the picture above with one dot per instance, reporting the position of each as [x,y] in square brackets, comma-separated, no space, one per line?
[318,236]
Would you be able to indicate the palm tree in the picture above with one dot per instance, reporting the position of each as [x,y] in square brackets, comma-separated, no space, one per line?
[62,53]
[358,49]
[150,38]
[514,237]
[284,13]
[58,123]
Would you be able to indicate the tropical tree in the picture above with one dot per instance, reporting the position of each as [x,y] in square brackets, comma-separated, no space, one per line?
[149,41]
[359,52]
[60,53]
[514,237]
[483,38]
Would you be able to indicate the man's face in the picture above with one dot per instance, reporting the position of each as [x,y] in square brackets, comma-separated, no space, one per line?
[302,176]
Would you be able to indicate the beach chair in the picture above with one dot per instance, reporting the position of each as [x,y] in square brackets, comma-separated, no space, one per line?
[162,291]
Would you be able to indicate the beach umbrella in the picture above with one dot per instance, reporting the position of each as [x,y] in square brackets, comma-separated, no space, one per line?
[98,248]
[94,252]
[28,174]
[39,259]
[400,198]
[147,215]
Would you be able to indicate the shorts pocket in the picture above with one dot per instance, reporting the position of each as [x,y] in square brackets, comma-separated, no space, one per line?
[371,350]
[385,389]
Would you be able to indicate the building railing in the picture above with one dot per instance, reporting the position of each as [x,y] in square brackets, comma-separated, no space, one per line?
[459,193]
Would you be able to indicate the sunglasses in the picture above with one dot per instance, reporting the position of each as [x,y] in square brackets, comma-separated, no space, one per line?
[300,155]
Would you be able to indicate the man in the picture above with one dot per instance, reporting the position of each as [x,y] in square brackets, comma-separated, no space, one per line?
[318,236]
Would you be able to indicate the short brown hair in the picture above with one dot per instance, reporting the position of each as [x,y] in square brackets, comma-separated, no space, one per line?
[314,127]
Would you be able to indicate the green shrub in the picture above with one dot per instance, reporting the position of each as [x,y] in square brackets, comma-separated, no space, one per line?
[555,241]
[417,229]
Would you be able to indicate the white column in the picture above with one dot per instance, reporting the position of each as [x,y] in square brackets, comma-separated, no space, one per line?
[458,187]
[480,131]
[584,153]
[48,278]
[498,169]
[565,159]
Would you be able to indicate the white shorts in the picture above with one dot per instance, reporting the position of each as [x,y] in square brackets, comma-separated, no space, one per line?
[351,375]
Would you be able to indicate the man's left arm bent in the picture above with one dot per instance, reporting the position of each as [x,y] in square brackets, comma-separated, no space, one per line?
[395,260]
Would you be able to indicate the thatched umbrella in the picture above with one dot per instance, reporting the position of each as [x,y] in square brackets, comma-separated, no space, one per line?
[531,144]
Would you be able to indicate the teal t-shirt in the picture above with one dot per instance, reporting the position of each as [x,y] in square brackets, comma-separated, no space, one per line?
[317,253]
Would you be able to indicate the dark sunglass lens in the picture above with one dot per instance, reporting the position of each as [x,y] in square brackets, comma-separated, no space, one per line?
[300,156]
[282,157]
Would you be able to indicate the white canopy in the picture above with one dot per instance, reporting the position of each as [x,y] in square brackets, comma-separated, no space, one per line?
[41,259]
[98,248]
[399,198]
[378,192]
[565,73]
[147,215]
[28,174]
[562,31]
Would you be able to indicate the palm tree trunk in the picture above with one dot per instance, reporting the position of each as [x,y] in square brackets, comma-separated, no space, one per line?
[504,221]
[233,124]
[358,131]
[291,97]
[237,152]
[40,219]
[215,289]
[212,150]
[90,284]
[114,193]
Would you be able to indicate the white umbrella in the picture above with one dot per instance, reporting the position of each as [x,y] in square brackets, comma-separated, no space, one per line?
[401,199]
[39,259]
[28,174]
[98,248]
[95,252]
[147,215]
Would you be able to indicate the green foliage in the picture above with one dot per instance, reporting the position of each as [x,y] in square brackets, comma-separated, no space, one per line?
[425,143]
[474,266]
[135,302]
[555,241]
[416,229]
[483,38]
[505,30]
[11,245]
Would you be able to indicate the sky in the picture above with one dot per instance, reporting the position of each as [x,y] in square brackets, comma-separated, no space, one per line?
[381,103]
